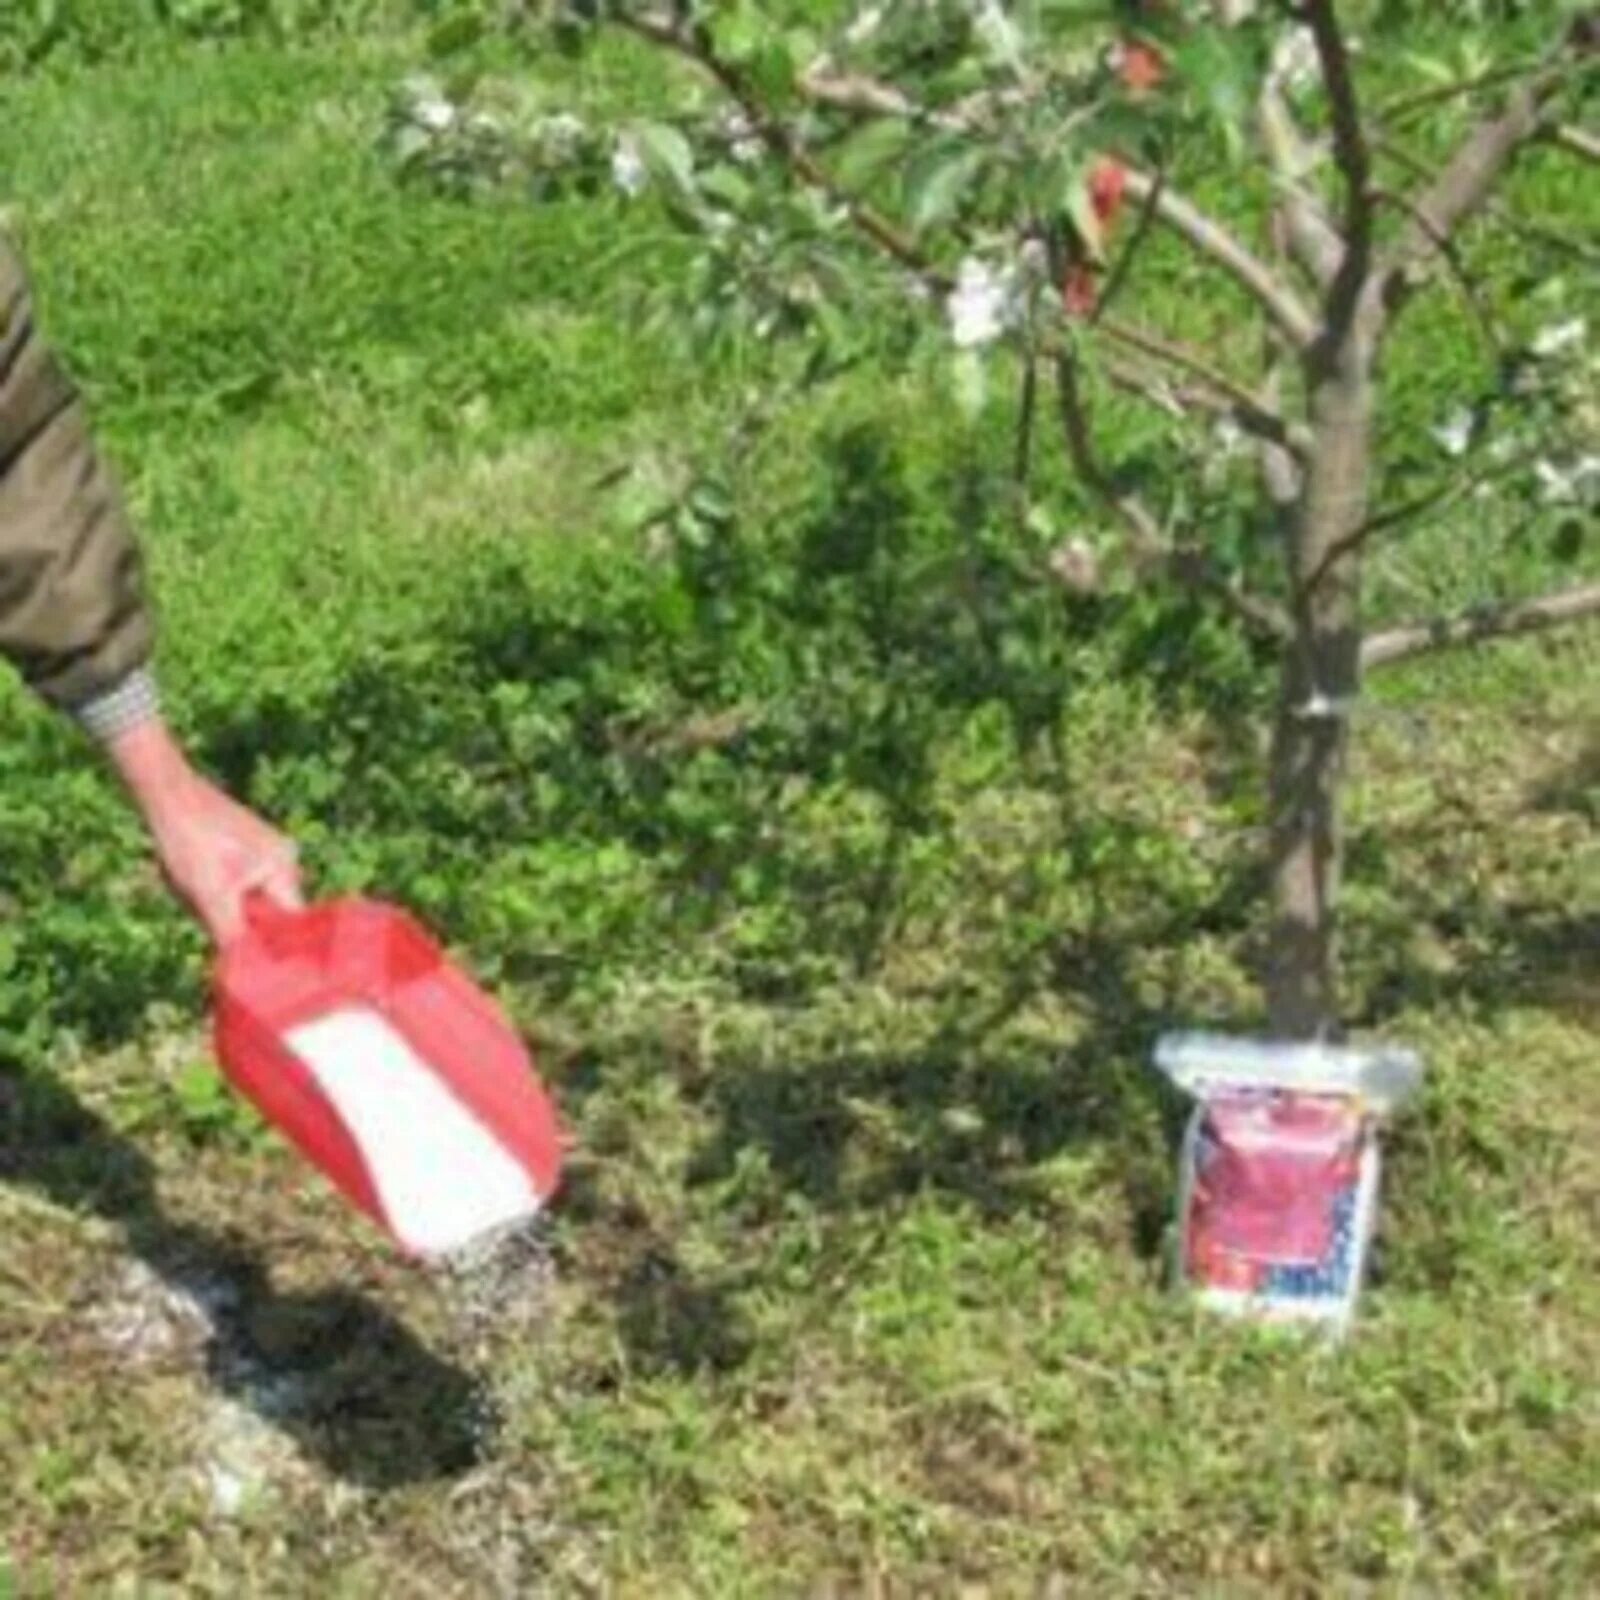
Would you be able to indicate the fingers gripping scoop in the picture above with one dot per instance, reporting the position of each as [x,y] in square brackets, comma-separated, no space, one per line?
[391,1071]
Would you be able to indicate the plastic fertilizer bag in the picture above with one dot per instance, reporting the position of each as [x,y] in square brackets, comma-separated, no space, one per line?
[1278,1173]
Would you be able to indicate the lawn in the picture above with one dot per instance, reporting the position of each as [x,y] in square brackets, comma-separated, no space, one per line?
[842,874]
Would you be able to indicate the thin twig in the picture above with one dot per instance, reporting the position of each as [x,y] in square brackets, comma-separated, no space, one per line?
[1350,150]
[1123,265]
[1466,179]
[1436,500]
[1451,256]
[784,143]
[1150,549]
[1027,406]
[1254,414]
[1179,399]
[1502,213]
[1158,391]
[1438,94]
[1144,532]
[1483,622]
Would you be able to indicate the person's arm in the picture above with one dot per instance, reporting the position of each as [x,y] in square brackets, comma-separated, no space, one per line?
[213,851]
[75,620]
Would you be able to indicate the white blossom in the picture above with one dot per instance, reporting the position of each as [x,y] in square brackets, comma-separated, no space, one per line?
[867,21]
[429,107]
[997,33]
[561,136]
[1566,485]
[744,143]
[1294,59]
[1557,337]
[1076,566]
[1454,434]
[982,305]
[628,169]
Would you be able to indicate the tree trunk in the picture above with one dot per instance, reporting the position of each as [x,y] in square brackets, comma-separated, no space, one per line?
[1321,679]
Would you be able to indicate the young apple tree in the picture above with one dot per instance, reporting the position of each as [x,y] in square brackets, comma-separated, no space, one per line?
[1000,172]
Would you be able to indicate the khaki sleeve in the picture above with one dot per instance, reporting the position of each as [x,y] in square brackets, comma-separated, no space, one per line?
[73,616]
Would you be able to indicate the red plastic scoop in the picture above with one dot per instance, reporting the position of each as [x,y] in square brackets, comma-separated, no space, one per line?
[391,1070]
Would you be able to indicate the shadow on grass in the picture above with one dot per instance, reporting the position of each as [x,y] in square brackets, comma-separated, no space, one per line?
[1521,953]
[350,1384]
[668,708]
[663,709]
[963,1116]
[1456,924]
[672,1321]
[669,705]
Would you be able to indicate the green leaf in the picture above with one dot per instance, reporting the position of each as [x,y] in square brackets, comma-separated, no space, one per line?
[871,148]
[938,183]
[667,153]
[459,31]
[1567,545]
[1080,210]
[1220,67]
[772,71]
[1430,67]
[969,379]
[739,33]
[727,186]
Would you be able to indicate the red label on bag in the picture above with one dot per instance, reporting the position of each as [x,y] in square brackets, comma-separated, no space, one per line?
[1270,1174]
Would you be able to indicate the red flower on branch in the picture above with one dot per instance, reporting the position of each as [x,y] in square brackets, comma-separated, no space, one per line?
[1105,186]
[1140,66]
[1108,179]
[1079,291]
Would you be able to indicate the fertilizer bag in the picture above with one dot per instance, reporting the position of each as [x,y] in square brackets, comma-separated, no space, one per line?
[1278,1173]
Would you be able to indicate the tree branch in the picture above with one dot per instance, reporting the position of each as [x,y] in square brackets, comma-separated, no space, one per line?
[1483,622]
[1179,399]
[1254,414]
[1276,297]
[1123,265]
[1532,232]
[1464,184]
[1477,306]
[1281,470]
[1152,388]
[1150,549]
[1350,150]
[1311,238]
[1438,94]
[1433,502]
[782,140]
[858,94]
[1578,142]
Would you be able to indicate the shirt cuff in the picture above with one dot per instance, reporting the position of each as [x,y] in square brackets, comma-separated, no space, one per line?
[122,708]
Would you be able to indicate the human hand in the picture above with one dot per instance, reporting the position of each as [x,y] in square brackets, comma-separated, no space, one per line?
[213,851]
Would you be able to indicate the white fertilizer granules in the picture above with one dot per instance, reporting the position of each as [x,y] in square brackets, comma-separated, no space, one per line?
[441,1177]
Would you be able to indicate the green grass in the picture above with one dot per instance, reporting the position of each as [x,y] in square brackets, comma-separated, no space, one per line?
[843,876]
